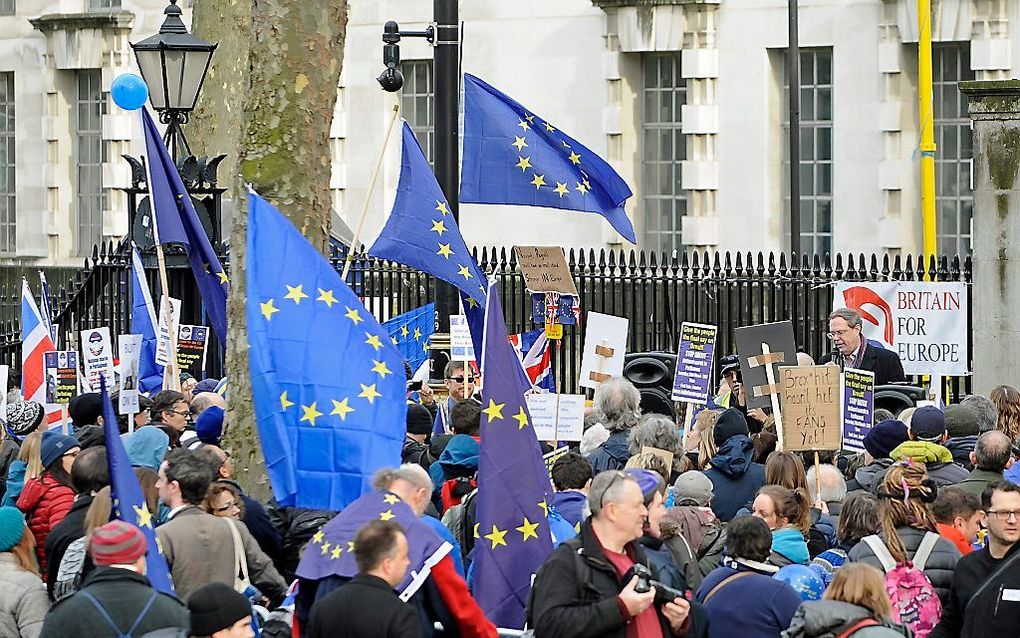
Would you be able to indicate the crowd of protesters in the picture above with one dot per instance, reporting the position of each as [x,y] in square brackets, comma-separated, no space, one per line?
[714,532]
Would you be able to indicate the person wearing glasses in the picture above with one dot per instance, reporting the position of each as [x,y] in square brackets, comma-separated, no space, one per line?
[459,385]
[170,413]
[588,586]
[984,599]
[850,349]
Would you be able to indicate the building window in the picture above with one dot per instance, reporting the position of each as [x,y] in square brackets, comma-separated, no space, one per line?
[90,107]
[417,101]
[954,198]
[664,92]
[815,149]
[8,210]
[7,7]
[102,5]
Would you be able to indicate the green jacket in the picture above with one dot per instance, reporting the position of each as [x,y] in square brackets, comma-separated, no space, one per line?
[921,452]
[978,481]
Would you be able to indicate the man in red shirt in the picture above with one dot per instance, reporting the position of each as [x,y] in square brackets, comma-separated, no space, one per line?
[587,587]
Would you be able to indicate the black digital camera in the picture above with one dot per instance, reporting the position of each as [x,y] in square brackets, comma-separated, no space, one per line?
[663,593]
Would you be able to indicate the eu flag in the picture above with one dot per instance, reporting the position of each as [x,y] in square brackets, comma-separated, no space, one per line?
[328,385]
[410,333]
[128,503]
[512,156]
[177,222]
[421,231]
[513,537]
[143,322]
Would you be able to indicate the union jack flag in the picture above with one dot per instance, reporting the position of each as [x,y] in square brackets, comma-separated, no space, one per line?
[35,340]
[532,349]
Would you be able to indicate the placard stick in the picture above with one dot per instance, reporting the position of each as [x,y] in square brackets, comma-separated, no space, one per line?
[63,419]
[770,375]
[131,422]
[368,195]
[818,478]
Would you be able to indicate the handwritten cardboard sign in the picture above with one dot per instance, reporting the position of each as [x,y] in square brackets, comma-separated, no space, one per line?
[545,269]
[811,408]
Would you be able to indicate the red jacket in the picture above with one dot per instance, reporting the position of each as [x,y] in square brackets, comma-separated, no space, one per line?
[471,621]
[46,502]
[953,535]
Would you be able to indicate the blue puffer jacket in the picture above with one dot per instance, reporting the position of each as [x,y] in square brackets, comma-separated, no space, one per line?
[735,478]
[611,455]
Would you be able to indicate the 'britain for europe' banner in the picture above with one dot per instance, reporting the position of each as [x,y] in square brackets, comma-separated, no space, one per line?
[923,322]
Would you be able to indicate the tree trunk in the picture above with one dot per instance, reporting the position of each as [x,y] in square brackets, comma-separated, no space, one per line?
[268,103]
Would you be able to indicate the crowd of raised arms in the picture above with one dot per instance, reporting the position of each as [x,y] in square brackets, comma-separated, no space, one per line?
[717,533]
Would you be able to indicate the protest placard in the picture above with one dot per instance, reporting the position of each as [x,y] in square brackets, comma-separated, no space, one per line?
[858,407]
[665,455]
[461,346]
[97,355]
[695,353]
[545,269]
[550,457]
[163,335]
[192,342]
[810,403]
[61,368]
[605,344]
[556,417]
[759,378]
[128,350]
[924,322]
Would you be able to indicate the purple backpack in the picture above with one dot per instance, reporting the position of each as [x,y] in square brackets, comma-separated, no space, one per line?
[914,600]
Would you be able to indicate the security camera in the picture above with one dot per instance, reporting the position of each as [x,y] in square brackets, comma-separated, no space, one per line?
[391,79]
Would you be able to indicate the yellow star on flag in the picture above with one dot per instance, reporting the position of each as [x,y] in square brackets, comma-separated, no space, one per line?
[549,127]
[538,181]
[522,418]
[387,515]
[519,143]
[581,188]
[441,207]
[444,250]
[325,548]
[394,340]
[391,499]
[574,158]
[369,392]
[472,302]
[530,118]
[561,189]
[494,411]
[350,546]
[223,277]
[311,412]
[319,535]
[524,163]
[476,531]
[341,408]
[439,226]
[380,368]
[497,536]
[373,340]
[284,401]
[144,517]
[269,309]
[425,347]
[528,529]
[523,125]
[545,507]
[353,315]
[464,270]
[335,554]
[403,331]
[417,334]
[585,182]
[295,293]
[326,297]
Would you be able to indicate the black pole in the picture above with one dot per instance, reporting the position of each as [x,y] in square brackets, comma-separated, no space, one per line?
[446,158]
[793,73]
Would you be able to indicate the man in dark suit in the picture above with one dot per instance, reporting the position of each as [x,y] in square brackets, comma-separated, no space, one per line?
[367,606]
[852,350]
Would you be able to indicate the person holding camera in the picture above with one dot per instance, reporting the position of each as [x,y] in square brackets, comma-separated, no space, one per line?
[600,583]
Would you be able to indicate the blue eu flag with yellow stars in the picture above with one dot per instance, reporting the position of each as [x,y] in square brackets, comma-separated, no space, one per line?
[410,333]
[421,231]
[512,537]
[512,156]
[327,383]
[128,502]
[177,222]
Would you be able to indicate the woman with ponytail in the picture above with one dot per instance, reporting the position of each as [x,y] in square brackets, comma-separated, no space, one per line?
[788,515]
[904,514]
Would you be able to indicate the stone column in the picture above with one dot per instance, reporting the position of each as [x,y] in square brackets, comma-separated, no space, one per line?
[995,111]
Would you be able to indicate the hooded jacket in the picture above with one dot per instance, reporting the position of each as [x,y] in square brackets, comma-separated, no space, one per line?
[735,477]
[695,538]
[936,458]
[939,567]
[459,458]
[611,455]
[829,618]
[146,447]
[570,505]
[788,547]
[869,476]
[961,447]
[45,503]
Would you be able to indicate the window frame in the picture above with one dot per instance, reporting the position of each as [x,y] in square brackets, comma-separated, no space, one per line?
[664,200]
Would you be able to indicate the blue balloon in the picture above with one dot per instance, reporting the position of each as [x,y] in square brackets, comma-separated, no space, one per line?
[804,581]
[129,92]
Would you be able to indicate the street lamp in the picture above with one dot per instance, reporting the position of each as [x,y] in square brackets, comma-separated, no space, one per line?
[174,64]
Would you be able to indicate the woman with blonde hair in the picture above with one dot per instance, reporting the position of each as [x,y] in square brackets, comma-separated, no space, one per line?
[908,529]
[855,604]
[1007,401]
[700,445]
[23,604]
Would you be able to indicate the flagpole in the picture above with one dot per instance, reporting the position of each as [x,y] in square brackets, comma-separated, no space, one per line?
[368,196]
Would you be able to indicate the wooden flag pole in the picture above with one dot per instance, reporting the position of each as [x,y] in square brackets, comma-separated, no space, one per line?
[368,195]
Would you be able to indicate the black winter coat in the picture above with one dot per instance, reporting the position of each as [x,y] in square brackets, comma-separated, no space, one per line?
[576,589]
[994,612]
[366,607]
[123,594]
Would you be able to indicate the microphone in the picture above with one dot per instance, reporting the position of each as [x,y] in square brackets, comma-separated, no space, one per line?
[837,357]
